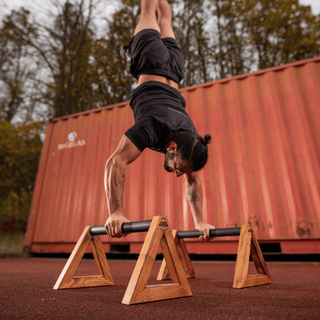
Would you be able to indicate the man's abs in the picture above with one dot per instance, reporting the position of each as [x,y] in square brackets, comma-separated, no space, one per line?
[150,77]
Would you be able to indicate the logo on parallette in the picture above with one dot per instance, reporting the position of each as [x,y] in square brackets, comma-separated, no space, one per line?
[163,225]
[72,143]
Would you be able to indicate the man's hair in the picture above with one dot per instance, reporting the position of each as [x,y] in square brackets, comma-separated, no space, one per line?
[192,148]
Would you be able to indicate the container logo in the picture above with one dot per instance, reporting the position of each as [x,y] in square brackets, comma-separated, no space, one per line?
[72,143]
[72,136]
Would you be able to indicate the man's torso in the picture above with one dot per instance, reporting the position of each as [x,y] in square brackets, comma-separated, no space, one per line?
[164,107]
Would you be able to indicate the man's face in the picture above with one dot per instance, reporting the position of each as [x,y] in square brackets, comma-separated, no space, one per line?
[176,165]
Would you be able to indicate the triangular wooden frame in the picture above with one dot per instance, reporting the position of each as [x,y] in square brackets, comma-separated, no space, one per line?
[138,291]
[67,279]
[184,256]
[248,244]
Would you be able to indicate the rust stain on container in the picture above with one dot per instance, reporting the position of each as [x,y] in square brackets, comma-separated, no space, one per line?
[263,167]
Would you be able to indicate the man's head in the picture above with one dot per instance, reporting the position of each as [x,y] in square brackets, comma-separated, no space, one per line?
[186,152]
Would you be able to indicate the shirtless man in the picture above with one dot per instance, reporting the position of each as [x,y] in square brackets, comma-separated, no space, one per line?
[161,122]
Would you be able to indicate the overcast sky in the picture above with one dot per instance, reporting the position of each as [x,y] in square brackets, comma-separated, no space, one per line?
[109,4]
[315,5]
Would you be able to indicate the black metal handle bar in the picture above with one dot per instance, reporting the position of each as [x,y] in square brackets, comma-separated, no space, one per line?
[129,227]
[213,233]
[143,226]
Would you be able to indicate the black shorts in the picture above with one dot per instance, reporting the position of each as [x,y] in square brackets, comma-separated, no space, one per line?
[152,55]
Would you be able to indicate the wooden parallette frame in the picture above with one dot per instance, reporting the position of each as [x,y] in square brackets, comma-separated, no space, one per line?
[67,279]
[138,291]
[248,245]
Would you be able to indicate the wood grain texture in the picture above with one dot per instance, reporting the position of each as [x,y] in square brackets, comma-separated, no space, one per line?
[86,282]
[257,251]
[164,274]
[96,255]
[67,280]
[137,291]
[102,259]
[142,270]
[188,267]
[74,259]
[243,256]
[170,264]
[248,245]
[256,280]
[177,265]
[161,292]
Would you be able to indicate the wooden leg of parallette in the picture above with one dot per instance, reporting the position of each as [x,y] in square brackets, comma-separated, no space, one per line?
[185,259]
[67,279]
[248,244]
[138,291]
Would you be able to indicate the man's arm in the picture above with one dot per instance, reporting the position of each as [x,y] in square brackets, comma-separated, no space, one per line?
[195,198]
[114,179]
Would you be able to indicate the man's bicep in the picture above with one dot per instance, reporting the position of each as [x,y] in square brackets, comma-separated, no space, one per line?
[126,151]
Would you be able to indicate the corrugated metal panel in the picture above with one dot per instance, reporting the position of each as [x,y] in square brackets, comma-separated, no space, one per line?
[264,164]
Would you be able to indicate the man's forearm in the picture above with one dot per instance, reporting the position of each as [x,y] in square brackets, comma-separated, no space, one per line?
[195,198]
[114,185]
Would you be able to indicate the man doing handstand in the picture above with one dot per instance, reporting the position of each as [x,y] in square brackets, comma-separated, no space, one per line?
[161,122]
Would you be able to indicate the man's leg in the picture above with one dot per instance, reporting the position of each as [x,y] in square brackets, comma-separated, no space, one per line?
[164,19]
[148,18]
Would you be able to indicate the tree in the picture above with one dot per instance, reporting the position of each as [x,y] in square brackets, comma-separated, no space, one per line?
[282,31]
[189,17]
[63,50]
[16,75]
[20,148]
[229,36]
[86,72]
[66,49]
[113,80]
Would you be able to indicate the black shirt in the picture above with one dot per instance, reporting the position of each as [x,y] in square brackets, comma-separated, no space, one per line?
[159,113]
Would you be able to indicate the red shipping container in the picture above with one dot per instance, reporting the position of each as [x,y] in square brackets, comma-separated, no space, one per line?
[263,167]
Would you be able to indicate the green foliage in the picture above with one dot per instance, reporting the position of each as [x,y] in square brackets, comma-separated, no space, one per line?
[189,19]
[229,39]
[15,72]
[282,31]
[20,148]
[68,54]
[112,80]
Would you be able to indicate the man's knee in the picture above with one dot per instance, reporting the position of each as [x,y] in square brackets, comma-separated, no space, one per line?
[164,23]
